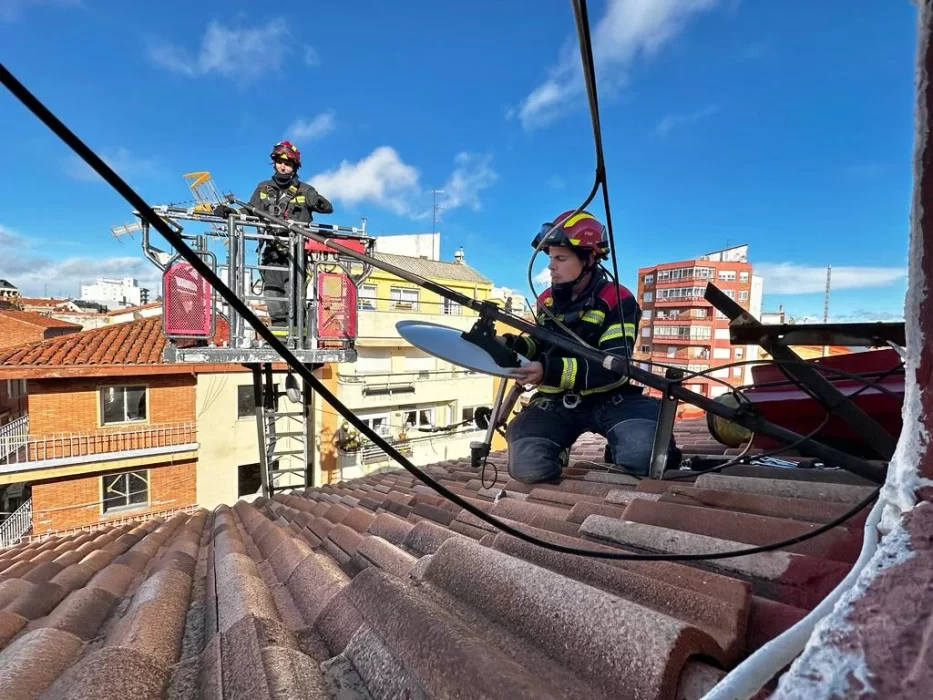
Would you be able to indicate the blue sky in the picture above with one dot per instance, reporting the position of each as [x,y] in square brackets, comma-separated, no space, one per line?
[787,125]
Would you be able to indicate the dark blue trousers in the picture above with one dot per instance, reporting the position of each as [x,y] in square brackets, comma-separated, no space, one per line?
[545,428]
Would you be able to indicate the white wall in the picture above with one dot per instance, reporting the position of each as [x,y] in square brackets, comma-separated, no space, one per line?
[415,245]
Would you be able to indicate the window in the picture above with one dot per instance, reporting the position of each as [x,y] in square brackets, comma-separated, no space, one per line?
[367,297]
[730,293]
[722,354]
[739,353]
[645,332]
[737,371]
[122,404]
[722,373]
[727,275]
[743,296]
[672,351]
[419,418]
[743,277]
[245,404]
[683,332]
[15,388]
[378,422]
[722,334]
[647,296]
[469,414]
[649,279]
[125,491]
[646,349]
[249,479]
[699,313]
[721,316]
[451,308]
[646,315]
[403,298]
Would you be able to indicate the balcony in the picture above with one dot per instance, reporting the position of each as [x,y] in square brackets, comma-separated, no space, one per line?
[20,451]
[373,390]
[377,318]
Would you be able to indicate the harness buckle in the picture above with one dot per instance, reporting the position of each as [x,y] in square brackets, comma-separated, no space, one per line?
[571,401]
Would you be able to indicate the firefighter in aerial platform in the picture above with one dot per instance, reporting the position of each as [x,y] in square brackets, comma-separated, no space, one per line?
[285,196]
[575,395]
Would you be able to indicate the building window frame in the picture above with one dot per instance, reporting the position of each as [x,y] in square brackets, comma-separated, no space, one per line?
[101,410]
[125,486]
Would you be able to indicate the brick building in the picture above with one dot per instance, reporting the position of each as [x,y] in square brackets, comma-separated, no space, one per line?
[680,328]
[21,327]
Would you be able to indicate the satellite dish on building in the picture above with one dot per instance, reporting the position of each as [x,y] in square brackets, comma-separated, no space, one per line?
[452,345]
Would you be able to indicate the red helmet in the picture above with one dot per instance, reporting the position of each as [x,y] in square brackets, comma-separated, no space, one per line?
[581,231]
[285,150]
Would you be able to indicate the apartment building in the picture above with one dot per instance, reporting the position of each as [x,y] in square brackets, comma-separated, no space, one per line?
[108,430]
[680,328]
[397,389]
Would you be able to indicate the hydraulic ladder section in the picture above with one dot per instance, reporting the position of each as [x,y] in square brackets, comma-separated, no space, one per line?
[285,431]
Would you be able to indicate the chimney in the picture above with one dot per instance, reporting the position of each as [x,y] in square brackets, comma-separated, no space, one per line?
[458,256]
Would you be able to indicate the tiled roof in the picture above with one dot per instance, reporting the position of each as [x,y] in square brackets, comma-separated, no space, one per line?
[131,309]
[379,588]
[37,320]
[134,343]
[434,269]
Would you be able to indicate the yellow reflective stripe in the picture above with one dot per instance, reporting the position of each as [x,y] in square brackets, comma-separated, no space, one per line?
[550,389]
[630,330]
[530,345]
[593,316]
[300,199]
[601,389]
[263,195]
[569,375]
[614,331]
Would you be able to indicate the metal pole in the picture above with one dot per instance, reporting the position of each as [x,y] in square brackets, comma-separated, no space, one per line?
[260,428]
[301,294]
[270,401]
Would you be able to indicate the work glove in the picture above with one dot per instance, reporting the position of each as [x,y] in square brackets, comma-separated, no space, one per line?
[223,210]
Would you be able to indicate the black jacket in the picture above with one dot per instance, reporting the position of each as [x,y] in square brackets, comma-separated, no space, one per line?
[295,202]
[601,321]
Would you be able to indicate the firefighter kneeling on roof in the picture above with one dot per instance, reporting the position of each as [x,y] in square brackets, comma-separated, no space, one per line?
[574,395]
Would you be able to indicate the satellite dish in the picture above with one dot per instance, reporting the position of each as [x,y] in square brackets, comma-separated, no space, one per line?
[449,344]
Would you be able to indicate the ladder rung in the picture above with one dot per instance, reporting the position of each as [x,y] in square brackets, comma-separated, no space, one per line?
[283,435]
[287,452]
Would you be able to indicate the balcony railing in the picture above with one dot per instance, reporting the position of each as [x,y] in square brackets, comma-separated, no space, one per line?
[72,446]
[382,378]
[13,436]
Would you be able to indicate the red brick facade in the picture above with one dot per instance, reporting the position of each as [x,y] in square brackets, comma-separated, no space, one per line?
[21,327]
[73,405]
[73,502]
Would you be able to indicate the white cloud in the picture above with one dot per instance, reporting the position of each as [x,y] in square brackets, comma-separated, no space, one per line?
[381,178]
[35,275]
[672,121]
[543,278]
[243,53]
[312,57]
[385,180]
[472,174]
[314,128]
[12,10]
[791,278]
[628,29]
[121,160]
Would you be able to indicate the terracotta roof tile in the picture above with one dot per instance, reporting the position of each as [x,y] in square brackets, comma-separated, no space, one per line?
[139,342]
[37,320]
[309,594]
